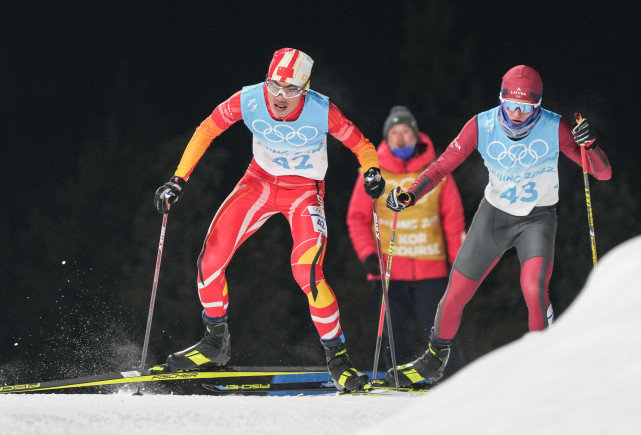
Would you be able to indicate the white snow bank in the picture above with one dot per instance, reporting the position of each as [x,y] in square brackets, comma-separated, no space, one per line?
[581,376]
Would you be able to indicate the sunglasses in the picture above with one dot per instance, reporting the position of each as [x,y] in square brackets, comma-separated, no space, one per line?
[513,105]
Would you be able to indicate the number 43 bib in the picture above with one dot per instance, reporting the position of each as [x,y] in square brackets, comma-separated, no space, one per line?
[523,173]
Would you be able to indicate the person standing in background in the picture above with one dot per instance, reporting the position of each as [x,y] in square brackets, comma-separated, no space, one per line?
[426,239]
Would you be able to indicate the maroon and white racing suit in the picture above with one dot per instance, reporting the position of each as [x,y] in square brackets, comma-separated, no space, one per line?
[496,228]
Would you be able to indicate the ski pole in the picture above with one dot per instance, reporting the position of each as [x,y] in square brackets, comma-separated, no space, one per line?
[379,336]
[588,201]
[386,298]
[154,289]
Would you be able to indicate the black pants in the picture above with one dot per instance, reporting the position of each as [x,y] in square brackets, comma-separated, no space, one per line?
[413,305]
[493,232]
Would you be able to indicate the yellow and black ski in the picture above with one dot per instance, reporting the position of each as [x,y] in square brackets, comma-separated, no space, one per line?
[250,374]
[310,385]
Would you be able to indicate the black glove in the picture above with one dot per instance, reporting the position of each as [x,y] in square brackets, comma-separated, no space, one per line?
[168,193]
[374,183]
[371,265]
[397,200]
[583,132]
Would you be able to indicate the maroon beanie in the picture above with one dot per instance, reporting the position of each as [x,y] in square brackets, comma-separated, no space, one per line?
[522,83]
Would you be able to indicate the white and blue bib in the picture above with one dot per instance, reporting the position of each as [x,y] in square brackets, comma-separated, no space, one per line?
[288,147]
[523,173]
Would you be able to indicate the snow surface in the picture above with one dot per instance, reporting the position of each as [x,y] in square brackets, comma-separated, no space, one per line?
[581,376]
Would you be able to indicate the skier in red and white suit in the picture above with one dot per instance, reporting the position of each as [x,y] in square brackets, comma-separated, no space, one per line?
[520,144]
[289,123]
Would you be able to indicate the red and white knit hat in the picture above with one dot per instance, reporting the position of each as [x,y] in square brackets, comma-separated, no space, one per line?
[522,83]
[291,66]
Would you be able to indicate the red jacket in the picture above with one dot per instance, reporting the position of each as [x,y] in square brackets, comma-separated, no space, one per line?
[427,229]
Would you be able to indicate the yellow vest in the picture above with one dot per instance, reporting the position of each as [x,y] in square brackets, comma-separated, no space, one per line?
[419,233]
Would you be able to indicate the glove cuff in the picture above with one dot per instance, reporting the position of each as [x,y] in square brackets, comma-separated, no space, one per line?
[178,180]
[412,199]
[371,173]
[407,199]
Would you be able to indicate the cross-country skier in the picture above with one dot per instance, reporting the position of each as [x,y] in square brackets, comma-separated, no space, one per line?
[427,236]
[289,123]
[520,144]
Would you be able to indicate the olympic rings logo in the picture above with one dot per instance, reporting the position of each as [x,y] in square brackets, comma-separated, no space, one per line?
[285,133]
[405,184]
[525,155]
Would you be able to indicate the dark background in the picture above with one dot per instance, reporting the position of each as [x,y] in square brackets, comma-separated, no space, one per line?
[99,99]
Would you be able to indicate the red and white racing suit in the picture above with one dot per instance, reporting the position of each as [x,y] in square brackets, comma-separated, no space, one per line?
[260,195]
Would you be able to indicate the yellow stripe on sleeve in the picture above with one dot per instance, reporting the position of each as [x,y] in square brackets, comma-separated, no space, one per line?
[366,154]
[205,133]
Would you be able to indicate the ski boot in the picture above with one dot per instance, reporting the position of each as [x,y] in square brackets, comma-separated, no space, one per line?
[429,366]
[213,350]
[341,368]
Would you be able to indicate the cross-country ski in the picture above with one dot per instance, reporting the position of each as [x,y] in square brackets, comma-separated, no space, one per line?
[263,374]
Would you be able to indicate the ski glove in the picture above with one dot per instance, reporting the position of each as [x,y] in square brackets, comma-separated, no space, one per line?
[168,193]
[371,265]
[397,200]
[374,183]
[583,132]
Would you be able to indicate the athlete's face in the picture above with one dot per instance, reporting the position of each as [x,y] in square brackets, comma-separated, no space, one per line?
[401,135]
[516,116]
[278,104]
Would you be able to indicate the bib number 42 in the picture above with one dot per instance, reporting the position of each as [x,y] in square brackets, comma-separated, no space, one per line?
[298,162]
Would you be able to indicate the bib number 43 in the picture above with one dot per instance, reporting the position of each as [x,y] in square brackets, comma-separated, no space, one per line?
[528,194]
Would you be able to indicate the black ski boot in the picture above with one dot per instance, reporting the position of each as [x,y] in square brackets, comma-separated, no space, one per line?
[429,366]
[213,350]
[341,368]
